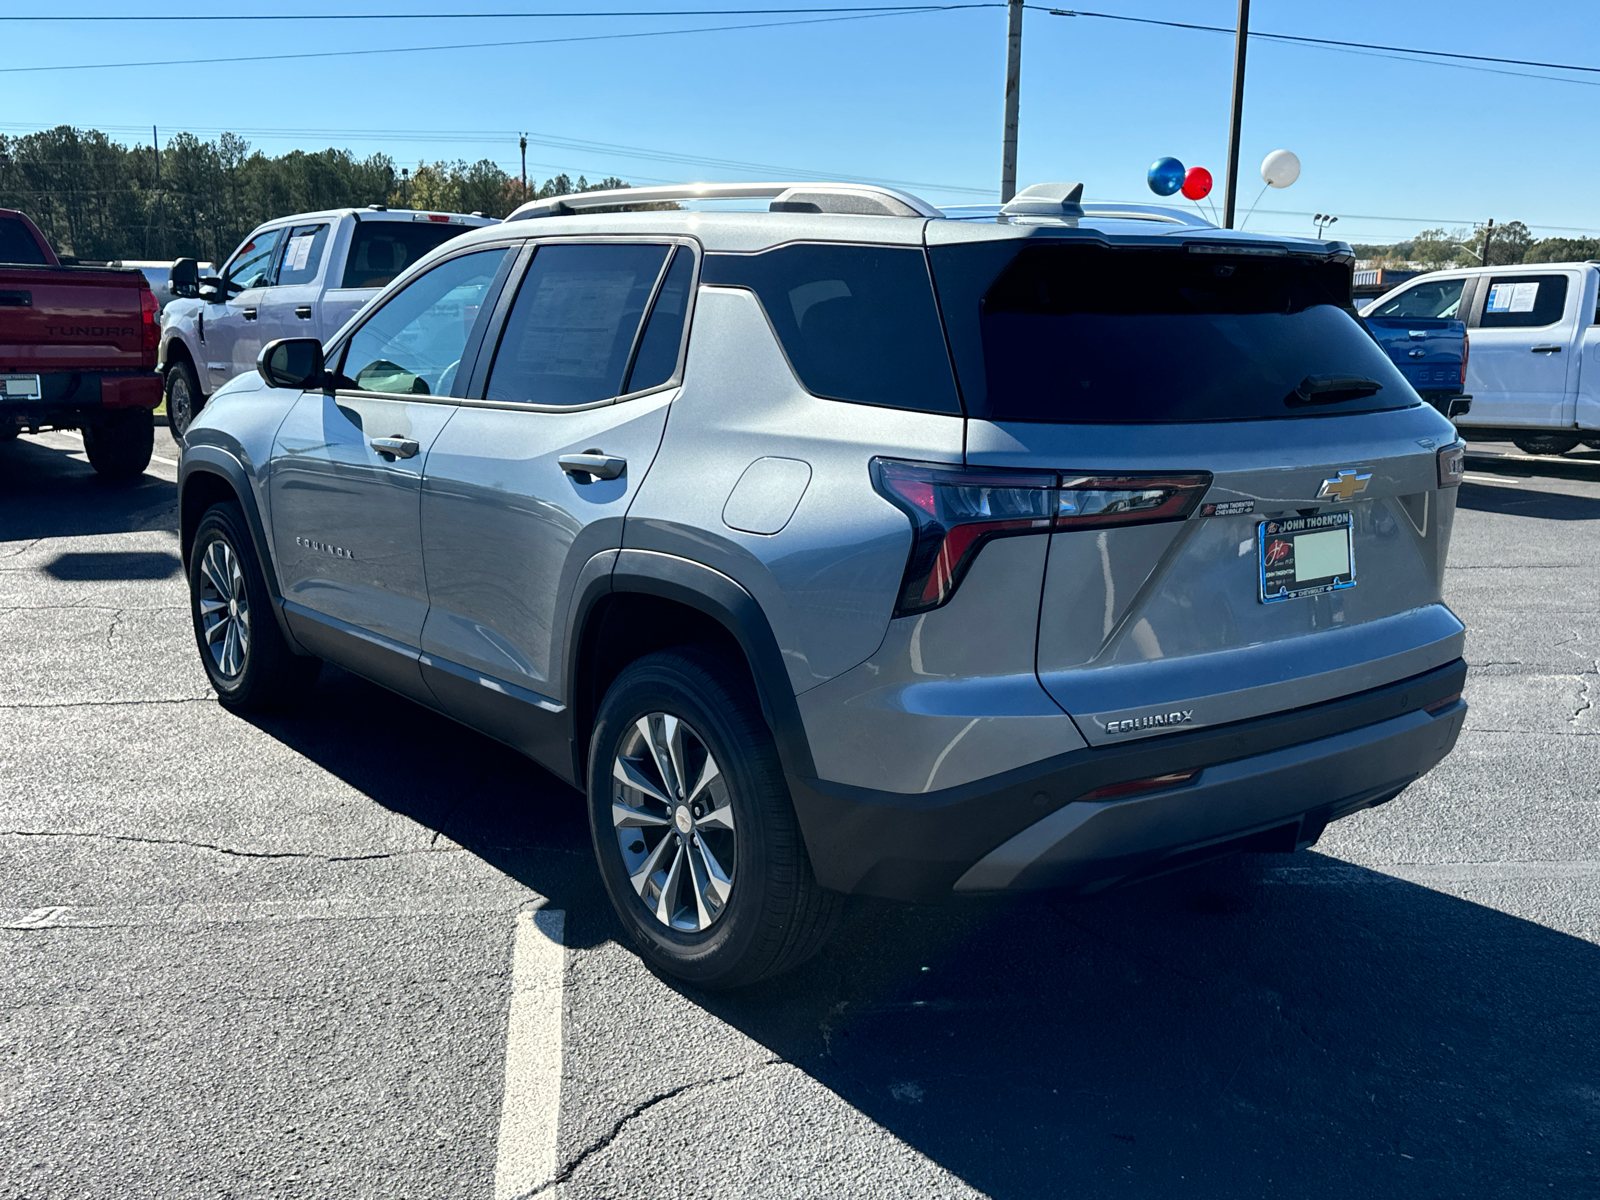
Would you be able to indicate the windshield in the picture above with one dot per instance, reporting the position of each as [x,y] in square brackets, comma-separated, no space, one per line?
[1088,334]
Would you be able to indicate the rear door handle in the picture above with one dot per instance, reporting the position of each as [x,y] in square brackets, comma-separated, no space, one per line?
[1547,349]
[249,314]
[596,464]
[303,311]
[395,447]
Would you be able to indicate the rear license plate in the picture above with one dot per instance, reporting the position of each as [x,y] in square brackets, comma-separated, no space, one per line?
[1306,556]
[19,387]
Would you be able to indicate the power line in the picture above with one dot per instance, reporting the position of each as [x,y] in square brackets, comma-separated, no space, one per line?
[593,37]
[1334,43]
[481,16]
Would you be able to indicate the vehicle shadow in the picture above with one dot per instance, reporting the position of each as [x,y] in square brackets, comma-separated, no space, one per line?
[1528,502]
[46,492]
[1276,1025]
[1272,1025]
[114,564]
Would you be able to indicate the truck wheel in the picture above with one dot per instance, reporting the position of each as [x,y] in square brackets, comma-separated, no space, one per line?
[120,442]
[695,834]
[250,664]
[184,400]
[1545,443]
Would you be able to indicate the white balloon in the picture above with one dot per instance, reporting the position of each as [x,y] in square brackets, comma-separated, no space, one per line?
[1280,168]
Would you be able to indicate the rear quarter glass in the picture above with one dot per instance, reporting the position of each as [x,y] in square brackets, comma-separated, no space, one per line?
[857,322]
[1098,335]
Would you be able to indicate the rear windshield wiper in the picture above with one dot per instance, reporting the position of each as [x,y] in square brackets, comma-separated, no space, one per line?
[1331,389]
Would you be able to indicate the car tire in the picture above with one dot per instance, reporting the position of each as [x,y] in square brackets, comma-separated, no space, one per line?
[1545,443]
[119,443]
[249,662]
[715,888]
[184,401]
[1592,443]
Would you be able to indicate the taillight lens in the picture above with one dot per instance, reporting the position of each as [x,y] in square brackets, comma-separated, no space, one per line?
[149,319]
[1466,353]
[1452,464]
[955,510]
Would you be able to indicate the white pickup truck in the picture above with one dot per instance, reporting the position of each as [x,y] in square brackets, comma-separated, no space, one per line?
[296,276]
[1534,367]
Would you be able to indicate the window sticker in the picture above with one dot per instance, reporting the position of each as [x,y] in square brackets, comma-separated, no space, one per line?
[1523,295]
[294,258]
[1499,298]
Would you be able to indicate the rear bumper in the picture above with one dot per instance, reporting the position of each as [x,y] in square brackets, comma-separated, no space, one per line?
[1271,783]
[70,398]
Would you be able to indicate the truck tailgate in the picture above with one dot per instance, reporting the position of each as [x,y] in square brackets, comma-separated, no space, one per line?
[71,318]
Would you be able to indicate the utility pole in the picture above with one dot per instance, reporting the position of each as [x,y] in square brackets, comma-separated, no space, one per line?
[1008,152]
[1241,38]
[523,141]
[1488,236]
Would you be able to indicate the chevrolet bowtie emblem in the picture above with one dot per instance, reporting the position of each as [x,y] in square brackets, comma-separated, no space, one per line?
[1345,485]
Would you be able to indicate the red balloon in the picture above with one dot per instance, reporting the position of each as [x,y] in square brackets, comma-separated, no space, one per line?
[1197,183]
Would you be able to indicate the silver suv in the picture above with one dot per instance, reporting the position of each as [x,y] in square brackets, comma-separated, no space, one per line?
[851,547]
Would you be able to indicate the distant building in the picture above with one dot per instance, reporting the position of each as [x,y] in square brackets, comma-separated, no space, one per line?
[1373,281]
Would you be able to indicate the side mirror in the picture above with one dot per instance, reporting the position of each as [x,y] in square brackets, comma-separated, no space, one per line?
[294,363]
[184,278]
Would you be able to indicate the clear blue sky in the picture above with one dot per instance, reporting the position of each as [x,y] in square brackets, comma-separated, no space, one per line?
[903,98]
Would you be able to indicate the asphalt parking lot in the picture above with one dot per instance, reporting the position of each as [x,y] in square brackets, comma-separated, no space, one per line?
[291,956]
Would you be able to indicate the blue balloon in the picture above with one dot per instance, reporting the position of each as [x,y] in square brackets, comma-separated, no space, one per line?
[1166,176]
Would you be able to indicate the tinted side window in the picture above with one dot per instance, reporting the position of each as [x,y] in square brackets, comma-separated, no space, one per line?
[302,255]
[857,322]
[17,245]
[1437,298]
[572,325]
[656,360]
[412,345]
[1524,301]
[253,260]
[380,250]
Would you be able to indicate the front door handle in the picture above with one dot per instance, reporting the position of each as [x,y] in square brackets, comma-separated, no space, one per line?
[303,311]
[595,464]
[249,314]
[1547,349]
[395,447]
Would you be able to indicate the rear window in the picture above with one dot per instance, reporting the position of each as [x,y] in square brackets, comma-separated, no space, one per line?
[18,246]
[1088,334]
[857,322]
[380,250]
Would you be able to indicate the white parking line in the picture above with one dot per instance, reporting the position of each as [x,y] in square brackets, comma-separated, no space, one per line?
[530,1112]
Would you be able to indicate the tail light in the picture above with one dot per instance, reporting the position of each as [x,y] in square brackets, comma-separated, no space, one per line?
[1466,353]
[1452,464]
[150,320]
[955,510]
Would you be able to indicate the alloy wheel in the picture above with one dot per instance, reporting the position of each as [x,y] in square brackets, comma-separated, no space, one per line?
[180,403]
[224,609]
[674,822]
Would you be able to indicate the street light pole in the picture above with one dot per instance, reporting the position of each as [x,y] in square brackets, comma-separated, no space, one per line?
[1008,152]
[523,142]
[1241,38]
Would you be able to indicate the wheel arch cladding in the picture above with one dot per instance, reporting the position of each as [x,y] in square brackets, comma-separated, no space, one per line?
[211,476]
[656,601]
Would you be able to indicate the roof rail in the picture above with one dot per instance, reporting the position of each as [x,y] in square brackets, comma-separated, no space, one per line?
[861,199]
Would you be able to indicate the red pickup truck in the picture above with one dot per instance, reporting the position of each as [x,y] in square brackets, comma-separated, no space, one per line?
[77,350]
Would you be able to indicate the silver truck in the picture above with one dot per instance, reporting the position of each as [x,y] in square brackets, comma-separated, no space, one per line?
[298,276]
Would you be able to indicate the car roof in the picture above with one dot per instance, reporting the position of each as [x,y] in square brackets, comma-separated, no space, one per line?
[747,232]
[371,213]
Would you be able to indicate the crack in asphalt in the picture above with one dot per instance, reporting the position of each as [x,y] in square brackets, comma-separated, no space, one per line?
[24,548]
[633,1114]
[111,703]
[111,633]
[228,850]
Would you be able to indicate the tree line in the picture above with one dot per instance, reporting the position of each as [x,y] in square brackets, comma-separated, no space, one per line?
[99,200]
[1508,245]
